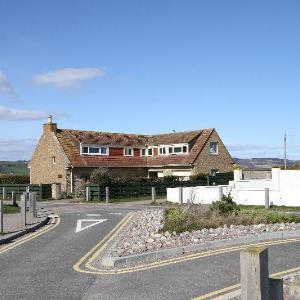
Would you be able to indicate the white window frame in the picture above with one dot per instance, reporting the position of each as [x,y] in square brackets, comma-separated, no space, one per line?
[210,148]
[146,151]
[94,146]
[128,148]
[53,160]
[173,146]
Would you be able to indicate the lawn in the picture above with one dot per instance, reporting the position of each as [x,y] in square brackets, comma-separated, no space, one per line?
[10,209]
[272,208]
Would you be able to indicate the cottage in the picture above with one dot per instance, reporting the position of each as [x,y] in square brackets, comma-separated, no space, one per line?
[69,156]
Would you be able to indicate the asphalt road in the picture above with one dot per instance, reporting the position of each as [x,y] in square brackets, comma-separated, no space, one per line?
[42,267]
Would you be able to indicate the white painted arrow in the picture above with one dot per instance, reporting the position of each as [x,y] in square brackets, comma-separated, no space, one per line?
[92,222]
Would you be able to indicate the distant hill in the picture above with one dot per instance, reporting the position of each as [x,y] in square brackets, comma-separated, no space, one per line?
[14,167]
[263,163]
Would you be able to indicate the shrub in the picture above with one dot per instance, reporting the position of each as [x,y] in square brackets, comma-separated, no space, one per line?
[225,206]
[100,176]
[14,179]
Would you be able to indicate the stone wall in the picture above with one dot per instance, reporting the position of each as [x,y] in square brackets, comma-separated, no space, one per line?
[206,162]
[42,167]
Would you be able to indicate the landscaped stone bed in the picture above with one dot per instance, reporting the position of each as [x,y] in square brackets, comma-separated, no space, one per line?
[142,234]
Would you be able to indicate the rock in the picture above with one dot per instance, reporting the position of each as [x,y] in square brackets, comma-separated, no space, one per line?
[150,241]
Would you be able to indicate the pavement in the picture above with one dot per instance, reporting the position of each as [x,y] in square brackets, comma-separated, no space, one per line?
[42,268]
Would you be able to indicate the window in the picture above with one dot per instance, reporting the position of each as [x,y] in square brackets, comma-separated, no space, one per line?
[162,150]
[173,150]
[94,150]
[146,152]
[213,148]
[85,150]
[53,160]
[104,151]
[177,149]
[128,152]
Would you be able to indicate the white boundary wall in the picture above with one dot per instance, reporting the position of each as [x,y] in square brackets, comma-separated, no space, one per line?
[284,189]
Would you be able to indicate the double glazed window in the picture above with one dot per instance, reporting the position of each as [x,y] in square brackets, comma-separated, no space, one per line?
[146,152]
[176,149]
[94,150]
[128,151]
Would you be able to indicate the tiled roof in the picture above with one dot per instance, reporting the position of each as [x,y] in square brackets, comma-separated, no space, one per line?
[71,139]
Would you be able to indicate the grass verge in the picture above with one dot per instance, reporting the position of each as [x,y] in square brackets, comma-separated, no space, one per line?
[10,209]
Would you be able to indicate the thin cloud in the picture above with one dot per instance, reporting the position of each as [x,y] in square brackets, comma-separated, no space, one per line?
[10,114]
[16,149]
[6,87]
[68,77]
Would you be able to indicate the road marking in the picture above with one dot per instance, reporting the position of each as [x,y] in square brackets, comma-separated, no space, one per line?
[93,215]
[103,242]
[116,213]
[28,237]
[84,265]
[93,222]
[218,294]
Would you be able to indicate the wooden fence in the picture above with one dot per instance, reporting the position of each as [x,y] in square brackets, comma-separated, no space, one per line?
[43,191]
[142,190]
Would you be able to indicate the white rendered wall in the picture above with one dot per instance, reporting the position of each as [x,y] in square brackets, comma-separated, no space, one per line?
[284,189]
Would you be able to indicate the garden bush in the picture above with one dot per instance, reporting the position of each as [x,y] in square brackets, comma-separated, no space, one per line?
[225,206]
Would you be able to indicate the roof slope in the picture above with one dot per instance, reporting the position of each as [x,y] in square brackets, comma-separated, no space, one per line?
[71,139]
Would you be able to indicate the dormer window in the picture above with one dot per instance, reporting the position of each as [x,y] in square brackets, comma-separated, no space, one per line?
[173,149]
[94,150]
[128,151]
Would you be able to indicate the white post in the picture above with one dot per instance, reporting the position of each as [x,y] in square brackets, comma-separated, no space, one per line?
[4,193]
[107,194]
[180,191]
[153,194]
[32,199]
[88,193]
[267,198]
[23,209]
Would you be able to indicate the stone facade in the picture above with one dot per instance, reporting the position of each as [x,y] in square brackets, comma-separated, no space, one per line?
[206,162]
[49,162]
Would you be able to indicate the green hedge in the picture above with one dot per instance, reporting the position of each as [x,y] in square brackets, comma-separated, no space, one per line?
[14,179]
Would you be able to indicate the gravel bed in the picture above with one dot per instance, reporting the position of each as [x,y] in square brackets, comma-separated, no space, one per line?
[142,234]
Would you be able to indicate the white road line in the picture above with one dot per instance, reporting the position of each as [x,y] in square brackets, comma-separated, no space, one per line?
[116,213]
[93,222]
[93,215]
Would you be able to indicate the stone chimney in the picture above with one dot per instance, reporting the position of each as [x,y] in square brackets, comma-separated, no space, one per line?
[49,126]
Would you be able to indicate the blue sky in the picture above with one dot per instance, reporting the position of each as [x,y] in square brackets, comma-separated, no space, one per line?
[151,67]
